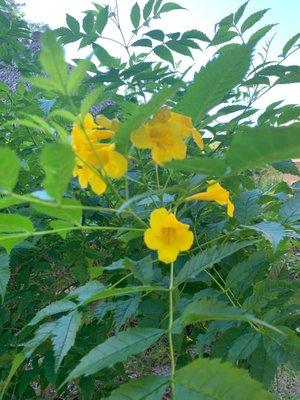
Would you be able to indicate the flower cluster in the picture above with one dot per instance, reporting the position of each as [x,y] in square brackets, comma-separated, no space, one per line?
[165,134]
[95,160]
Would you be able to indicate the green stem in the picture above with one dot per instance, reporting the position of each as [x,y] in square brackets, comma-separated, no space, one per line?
[71,228]
[170,336]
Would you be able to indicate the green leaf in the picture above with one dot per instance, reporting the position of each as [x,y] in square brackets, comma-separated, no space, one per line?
[125,309]
[58,161]
[143,270]
[103,294]
[8,201]
[86,291]
[262,367]
[145,388]
[142,114]
[255,147]
[243,347]
[289,44]
[73,24]
[76,76]
[116,349]
[214,81]
[40,336]
[195,34]
[147,9]
[286,167]
[170,7]
[52,309]
[290,210]
[103,56]
[53,61]
[164,53]
[88,22]
[272,231]
[156,34]
[135,15]
[209,166]
[212,380]
[207,258]
[68,210]
[45,83]
[92,98]
[247,207]
[257,36]
[223,35]
[242,275]
[17,361]
[4,274]
[252,19]
[238,15]
[179,48]
[211,309]
[9,169]
[13,230]
[142,42]
[64,335]
[102,19]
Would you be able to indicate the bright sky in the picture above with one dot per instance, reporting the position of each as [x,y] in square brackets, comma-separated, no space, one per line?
[200,14]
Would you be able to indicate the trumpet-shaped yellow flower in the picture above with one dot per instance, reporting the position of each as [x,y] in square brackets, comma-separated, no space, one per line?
[95,160]
[167,235]
[215,192]
[165,135]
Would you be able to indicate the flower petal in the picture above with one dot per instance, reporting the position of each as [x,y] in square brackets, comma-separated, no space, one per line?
[158,217]
[186,240]
[151,239]
[168,254]
[141,138]
[198,139]
[230,208]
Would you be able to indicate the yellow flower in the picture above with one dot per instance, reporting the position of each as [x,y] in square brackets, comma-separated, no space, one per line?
[215,192]
[167,235]
[165,135]
[96,160]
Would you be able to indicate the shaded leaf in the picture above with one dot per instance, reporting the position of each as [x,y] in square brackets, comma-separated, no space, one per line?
[273,231]
[64,335]
[9,169]
[116,349]
[212,380]
[4,274]
[289,44]
[57,307]
[58,161]
[145,388]
[204,165]
[243,347]
[164,53]
[208,258]
[156,34]
[252,19]
[135,15]
[290,210]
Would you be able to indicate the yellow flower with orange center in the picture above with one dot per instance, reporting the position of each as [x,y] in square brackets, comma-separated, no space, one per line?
[215,192]
[167,235]
[95,160]
[165,135]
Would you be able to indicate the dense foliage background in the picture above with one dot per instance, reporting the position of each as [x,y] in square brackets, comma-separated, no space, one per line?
[88,311]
